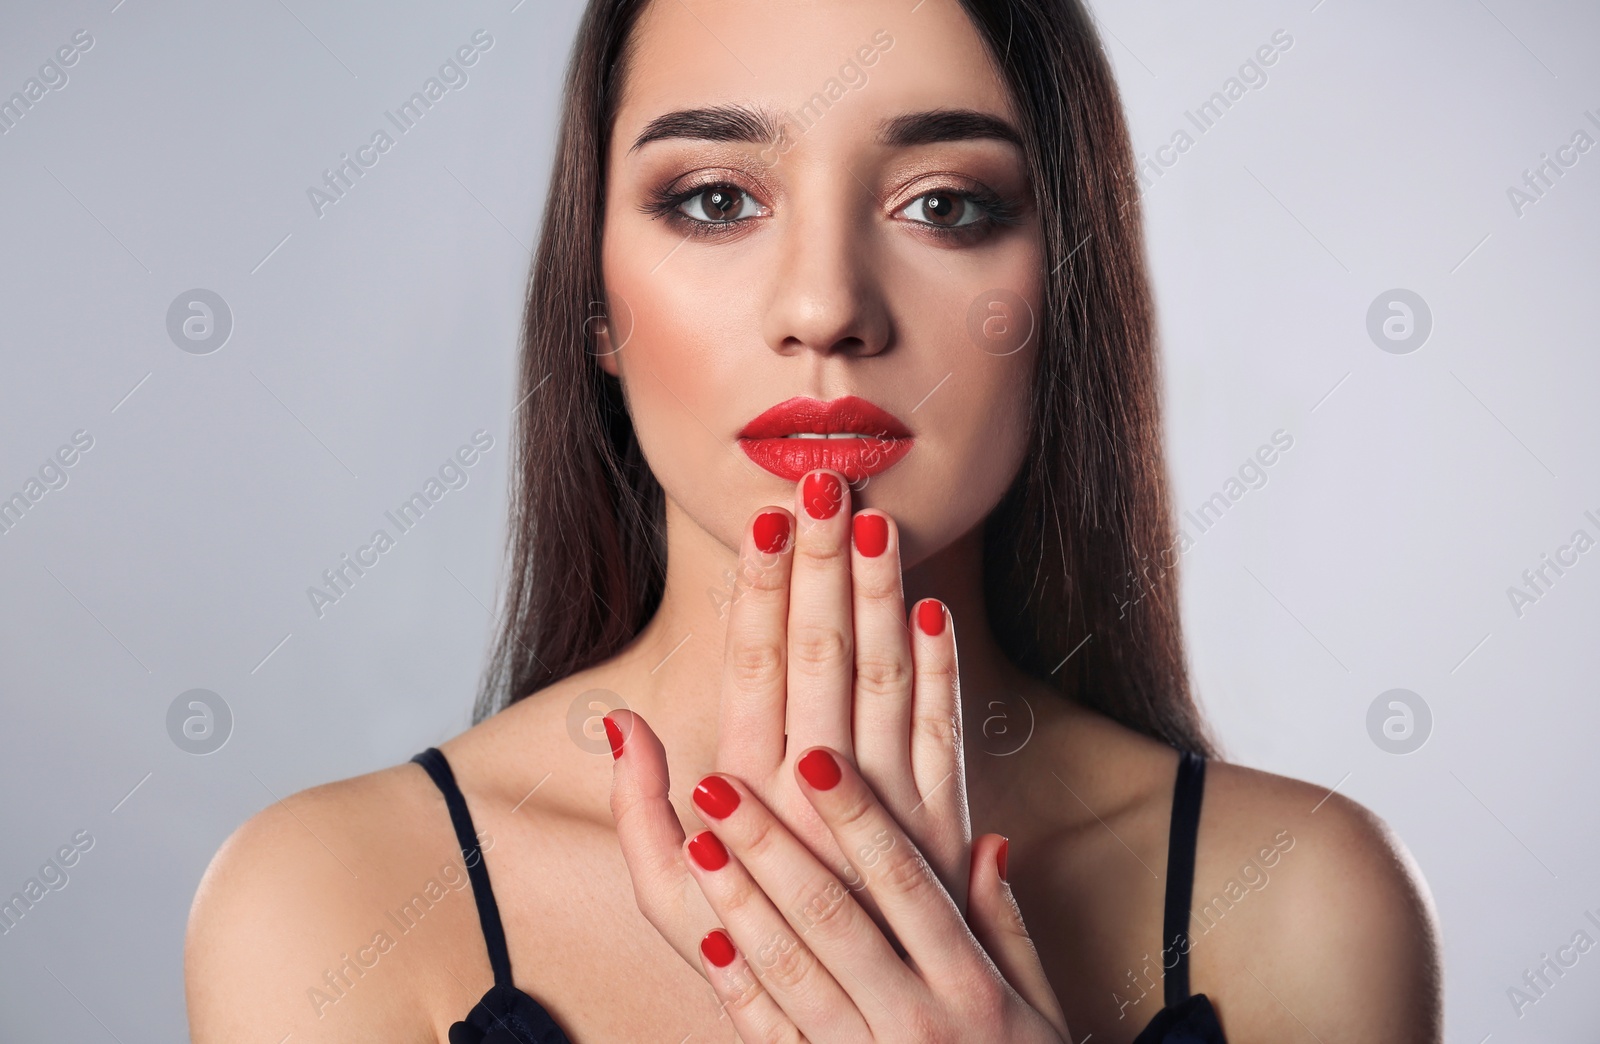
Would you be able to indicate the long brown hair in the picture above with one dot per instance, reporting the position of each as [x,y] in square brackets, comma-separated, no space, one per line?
[1079,558]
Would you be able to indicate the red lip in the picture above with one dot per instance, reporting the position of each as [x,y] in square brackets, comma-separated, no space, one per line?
[885,440]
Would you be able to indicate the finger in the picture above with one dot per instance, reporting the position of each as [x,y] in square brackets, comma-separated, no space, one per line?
[937,762]
[997,922]
[937,748]
[915,904]
[821,640]
[761,913]
[651,837]
[753,1011]
[883,674]
[750,722]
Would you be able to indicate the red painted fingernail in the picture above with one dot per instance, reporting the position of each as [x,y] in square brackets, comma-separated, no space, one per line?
[930,617]
[614,734]
[708,851]
[820,770]
[823,494]
[716,797]
[717,947]
[772,531]
[1000,855]
[872,534]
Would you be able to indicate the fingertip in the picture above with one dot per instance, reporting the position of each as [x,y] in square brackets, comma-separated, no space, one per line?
[718,948]
[932,616]
[990,857]
[614,737]
[772,529]
[871,531]
[820,767]
[822,493]
[626,724]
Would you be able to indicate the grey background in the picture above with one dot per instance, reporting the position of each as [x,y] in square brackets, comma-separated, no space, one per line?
[369,343]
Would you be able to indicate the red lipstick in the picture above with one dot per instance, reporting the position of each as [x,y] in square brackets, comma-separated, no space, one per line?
[849,435]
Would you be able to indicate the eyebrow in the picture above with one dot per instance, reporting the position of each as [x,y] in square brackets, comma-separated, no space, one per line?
[738,123]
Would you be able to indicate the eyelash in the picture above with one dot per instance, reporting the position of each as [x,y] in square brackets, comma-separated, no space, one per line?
[996,212]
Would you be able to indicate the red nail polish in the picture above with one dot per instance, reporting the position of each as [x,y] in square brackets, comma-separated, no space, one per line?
[872,534]
[823,494]
[771,531]
[717,947]
[716,797]
[820,770]
[708,851]
[614,734]
[930,617]
[1000,855]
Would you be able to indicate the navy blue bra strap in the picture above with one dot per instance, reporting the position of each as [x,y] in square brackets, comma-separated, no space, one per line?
[494,933]
[1185,829]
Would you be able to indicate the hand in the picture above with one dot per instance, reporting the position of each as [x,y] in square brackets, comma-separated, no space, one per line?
[800,958]
[820,651]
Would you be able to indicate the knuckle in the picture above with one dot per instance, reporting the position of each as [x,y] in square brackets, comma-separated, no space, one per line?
[818,644]
[761,843]
[906,873]
[984,1000]
[882,675]
[754,662]
[943,730]
[763,574]
[735,901]
[941,669]
[787,965]
[824,913]
[925,1024]
[854,818]
[822,552]
[742,989]
[879,589]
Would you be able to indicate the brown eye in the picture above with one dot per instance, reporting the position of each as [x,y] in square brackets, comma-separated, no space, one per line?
[944,209]
[718,203]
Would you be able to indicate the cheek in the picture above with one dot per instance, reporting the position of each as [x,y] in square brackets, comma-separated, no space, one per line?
[983,419]
[977,442]
[681,378]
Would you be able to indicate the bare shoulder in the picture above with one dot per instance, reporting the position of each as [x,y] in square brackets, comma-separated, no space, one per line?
[1309,918]
[1308,912]
[289,930]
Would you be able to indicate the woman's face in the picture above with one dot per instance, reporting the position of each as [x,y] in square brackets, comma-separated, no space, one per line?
[828,202]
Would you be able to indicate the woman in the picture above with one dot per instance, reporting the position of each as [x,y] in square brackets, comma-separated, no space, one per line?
[827,292]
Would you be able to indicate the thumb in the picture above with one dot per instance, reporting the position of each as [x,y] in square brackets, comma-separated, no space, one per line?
[996,920]
[647,827]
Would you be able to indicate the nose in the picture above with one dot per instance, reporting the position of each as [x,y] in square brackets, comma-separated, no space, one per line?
[826,297]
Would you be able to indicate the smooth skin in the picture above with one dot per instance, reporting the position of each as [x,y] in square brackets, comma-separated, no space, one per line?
[838,284]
